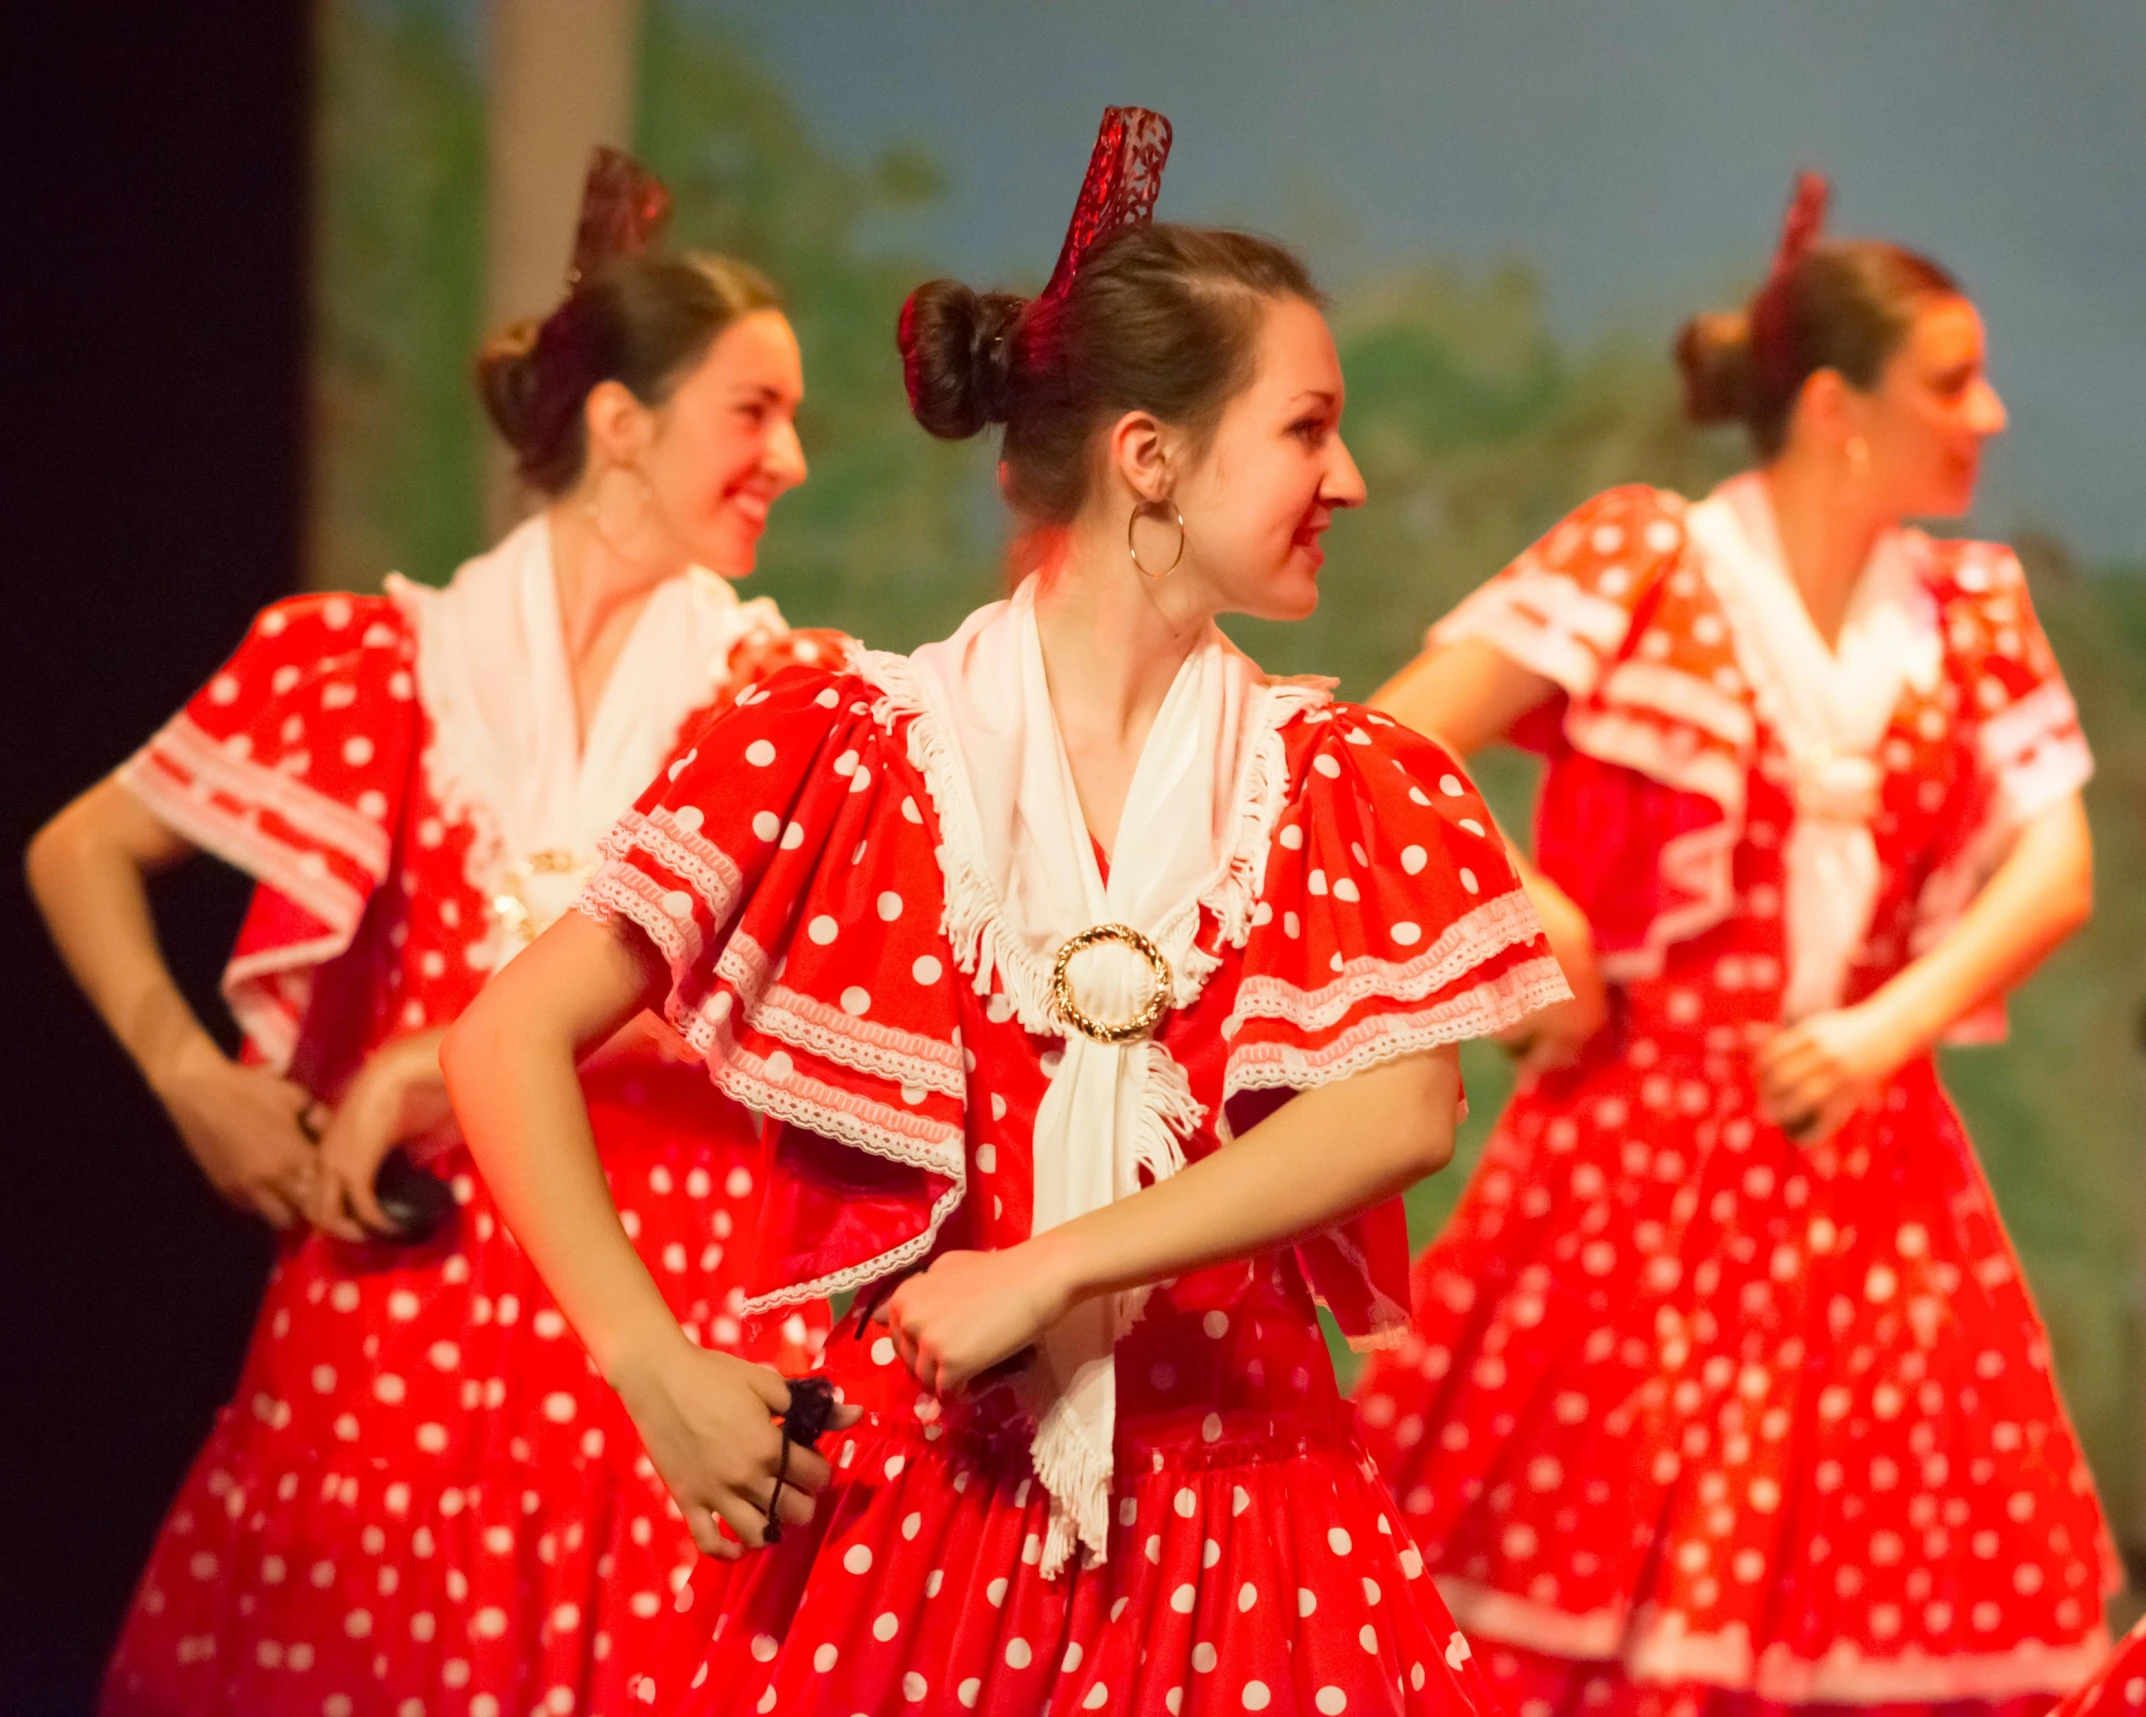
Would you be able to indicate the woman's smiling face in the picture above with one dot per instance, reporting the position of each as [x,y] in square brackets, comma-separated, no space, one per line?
[1270,478]
[725,443]
[1929,414]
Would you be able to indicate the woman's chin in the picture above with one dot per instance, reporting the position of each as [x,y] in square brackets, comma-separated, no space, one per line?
[1953,493]
[1947,501]
[1292,598]
[731,549]
[1300,583]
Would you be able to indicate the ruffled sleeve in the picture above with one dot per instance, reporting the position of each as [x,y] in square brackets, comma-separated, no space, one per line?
[1567,607]
[2028,751]
[784,867]
[764,652]
[293,764]
[1652,740]
[1390,922]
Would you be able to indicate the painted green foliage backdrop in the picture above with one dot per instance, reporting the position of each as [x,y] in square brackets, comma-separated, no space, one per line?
[1474,428]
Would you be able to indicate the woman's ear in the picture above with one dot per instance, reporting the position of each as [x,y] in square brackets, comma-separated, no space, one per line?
[619,426]
[1825,407]
[1139,450]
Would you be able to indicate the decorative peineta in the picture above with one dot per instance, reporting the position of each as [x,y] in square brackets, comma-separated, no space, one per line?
[624,209]
[1772,325]
[1123,180]
[1804,221]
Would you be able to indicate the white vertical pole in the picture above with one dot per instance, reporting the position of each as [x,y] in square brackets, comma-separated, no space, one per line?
[562,81]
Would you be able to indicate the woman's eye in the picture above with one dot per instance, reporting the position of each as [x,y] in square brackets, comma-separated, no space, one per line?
[1309,429]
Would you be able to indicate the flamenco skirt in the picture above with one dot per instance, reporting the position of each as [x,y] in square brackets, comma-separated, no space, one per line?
[1254,1564]
[423,1499]
[1695,1417]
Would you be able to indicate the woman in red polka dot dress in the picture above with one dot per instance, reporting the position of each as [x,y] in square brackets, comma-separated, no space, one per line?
[421,1498]
[1725,1392]
[1107,991]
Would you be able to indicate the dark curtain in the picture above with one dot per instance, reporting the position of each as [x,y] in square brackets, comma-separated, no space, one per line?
[154,329]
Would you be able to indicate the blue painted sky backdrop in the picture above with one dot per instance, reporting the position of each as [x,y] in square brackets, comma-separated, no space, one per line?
[1636,154]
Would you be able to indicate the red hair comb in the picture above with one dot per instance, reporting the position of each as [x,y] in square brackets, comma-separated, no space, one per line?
[624,209]
[1772,326]
[1124,178]
[1805,219]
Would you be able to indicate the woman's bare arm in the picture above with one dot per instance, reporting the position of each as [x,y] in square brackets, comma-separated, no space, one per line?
[1814,1074]
[2039,895]
[1465,695]
[88,871]
[510,1064]
[1372,1136]
[1325,1155]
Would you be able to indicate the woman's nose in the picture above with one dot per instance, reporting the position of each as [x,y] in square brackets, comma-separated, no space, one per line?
[1985,411]
[1344,485]
[786,454]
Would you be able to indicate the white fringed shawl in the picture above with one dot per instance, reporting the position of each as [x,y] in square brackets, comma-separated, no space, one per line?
[1021,877]
[1829,710]
[505,747]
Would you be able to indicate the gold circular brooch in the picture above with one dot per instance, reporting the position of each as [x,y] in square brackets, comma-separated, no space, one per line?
[1070,1011]
[522,918]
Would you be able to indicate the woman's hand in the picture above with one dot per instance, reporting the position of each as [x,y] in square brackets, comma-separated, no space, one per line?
[245,1127]
[971,1310]
[398,1094]
[88,870]
[1815,1074]
[1554,1036]
[708,1421]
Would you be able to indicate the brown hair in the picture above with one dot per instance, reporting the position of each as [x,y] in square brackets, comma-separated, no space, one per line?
[1845,305]
[643,321]
[1159,318]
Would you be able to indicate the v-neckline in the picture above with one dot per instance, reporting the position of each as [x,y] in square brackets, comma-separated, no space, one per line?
[1761,521]
[1828,697]
[553,627]
[1032,642]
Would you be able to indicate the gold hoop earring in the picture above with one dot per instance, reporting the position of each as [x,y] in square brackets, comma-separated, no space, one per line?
[594,508]
[1153,509]
[1858,451]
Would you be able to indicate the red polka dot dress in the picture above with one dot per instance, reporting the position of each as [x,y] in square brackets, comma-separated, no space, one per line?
[796,874]
[1693,1416]
[421,1498]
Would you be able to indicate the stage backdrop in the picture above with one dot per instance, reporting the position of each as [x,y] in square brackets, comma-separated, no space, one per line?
[1512,209]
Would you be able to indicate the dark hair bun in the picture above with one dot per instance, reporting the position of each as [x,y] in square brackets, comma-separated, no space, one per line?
[1714,357]
[957,356]
[508,380]
[642,321]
